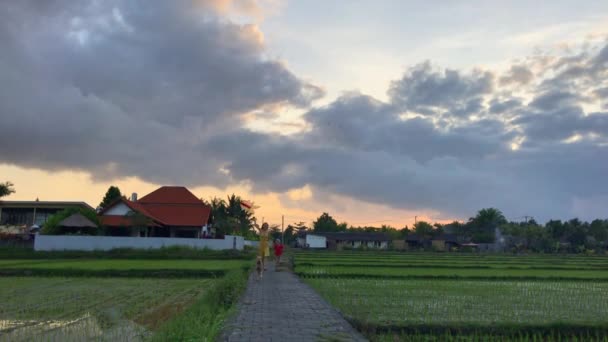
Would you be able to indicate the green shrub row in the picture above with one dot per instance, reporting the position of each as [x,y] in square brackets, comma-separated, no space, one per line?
[132,273]
[435,255]
[471,332]
[174,252]
[497,266]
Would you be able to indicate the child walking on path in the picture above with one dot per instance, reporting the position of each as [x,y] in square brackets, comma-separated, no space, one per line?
[278,251]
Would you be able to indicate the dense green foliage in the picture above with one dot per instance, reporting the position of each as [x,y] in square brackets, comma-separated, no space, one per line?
[429,296]
[111,195]
[291,232]
[52,225]
[6,189]
[229,218]
[326,223]
[572,236]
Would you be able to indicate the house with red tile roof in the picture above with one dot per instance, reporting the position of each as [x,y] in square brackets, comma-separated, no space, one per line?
[169,211]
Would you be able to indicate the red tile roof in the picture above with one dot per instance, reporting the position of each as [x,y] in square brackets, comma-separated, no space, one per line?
[142,209]
[170,195]
[181,214]
[132,205]
[167,206]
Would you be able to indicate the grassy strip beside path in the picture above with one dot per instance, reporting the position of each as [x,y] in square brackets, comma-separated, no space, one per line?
[202,321]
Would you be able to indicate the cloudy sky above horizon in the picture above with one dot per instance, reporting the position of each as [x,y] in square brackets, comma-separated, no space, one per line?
[375,111]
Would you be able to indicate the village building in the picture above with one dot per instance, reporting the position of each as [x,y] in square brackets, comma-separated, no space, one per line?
[445,242]
[341,240]
[28,215]
[169,211]
[78,224]
[415,241]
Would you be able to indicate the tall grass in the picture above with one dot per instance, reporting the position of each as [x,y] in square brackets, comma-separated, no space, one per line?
[45,309]
[202,321]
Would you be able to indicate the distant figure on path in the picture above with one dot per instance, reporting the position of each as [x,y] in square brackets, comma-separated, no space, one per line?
[278,251]
[264,251]
[259,267]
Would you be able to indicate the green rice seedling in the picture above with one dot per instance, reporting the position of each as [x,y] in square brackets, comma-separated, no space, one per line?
[423,296]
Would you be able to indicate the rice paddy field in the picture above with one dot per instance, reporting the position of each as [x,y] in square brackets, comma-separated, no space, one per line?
[115,300]
[392,296]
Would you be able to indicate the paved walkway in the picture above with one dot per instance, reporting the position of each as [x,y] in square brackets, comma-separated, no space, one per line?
[280,307]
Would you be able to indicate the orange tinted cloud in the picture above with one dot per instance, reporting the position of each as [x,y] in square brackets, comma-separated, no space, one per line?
[295,205]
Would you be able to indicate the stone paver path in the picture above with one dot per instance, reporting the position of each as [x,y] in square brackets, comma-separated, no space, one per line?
[280,307]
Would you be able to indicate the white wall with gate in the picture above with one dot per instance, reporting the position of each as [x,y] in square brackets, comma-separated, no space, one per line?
[105,243]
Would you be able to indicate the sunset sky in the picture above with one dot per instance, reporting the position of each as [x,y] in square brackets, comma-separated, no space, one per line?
[374,111]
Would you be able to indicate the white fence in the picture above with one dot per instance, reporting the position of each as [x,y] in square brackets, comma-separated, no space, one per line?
[254,244]
[105,243]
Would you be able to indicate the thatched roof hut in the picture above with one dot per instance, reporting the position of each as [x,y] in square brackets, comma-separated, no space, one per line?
[77,220]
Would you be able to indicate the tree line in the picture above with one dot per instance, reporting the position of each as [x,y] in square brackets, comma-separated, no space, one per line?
[571,236]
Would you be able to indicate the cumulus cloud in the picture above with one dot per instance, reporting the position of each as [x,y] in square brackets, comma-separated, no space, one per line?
[253,8]
[115,87]
[422,88]
[518,74]
[360,123]
[160,90]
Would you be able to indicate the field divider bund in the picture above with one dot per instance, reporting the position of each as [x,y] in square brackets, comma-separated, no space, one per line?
[445,277]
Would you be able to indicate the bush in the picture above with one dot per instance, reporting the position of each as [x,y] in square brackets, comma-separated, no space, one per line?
[52,227]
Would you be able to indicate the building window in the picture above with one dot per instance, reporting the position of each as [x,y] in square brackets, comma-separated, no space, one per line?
[16,217]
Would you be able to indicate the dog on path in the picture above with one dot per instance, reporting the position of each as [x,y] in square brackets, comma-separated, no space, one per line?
[259,267]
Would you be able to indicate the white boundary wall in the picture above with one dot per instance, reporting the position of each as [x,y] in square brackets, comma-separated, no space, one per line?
[105,243]
[316,241]
[254,244]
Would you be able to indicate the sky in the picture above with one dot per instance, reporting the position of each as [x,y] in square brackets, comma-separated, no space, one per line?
[374,111]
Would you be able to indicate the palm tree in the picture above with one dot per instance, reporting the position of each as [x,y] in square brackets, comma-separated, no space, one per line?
[485,223]
[6,189]
[229,217]
[489,216]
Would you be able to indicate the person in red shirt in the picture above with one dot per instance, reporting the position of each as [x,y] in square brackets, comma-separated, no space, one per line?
[278,251]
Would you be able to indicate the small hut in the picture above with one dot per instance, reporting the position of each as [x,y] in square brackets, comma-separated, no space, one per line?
[78,224]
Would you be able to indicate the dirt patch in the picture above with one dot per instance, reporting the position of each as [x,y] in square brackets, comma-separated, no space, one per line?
[154,318]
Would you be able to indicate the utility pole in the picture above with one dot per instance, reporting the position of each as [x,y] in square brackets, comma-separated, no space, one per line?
[283,229]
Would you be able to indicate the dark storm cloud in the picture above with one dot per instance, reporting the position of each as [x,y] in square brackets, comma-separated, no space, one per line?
[563,123]
[115,87]
[361,123]
[555,99]
[422,87]
[158,90]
